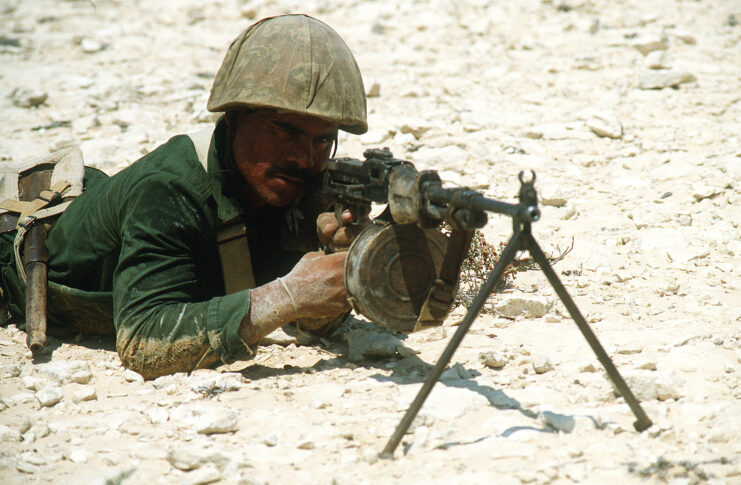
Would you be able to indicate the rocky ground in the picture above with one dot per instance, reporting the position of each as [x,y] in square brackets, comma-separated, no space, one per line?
[628,111]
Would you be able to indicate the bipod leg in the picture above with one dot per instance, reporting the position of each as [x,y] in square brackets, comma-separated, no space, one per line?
[507,256]
[642,421]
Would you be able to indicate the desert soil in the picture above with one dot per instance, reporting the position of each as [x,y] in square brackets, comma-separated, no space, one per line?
[628,111]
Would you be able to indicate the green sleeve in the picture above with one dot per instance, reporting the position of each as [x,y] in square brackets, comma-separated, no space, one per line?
[161,326]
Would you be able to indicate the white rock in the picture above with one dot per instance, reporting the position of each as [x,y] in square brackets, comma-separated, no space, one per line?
[217,421]
[648,44]
[215,382]
[132,376]
[10,370]
[33,382]
[271,440]
[663,78]
[64,371]
[49,396]
[542,364]
[559,422]
[157,415]
[167,381]
[606,124]
[495,360]
[9,434]
[185,458]
[37,431]
[701,191]
[530,307]
[90,45]
[28,98]
[279,337]
[306,445]
[78,455]
[648,385]
[657,60]
[206,474]
[85,393]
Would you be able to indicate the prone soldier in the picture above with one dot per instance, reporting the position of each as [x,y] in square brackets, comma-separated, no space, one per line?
[196,251]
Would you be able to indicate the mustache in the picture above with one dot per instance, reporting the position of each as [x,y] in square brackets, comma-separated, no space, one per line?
[292,171]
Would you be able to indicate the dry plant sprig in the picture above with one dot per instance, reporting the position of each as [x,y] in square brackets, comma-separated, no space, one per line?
[480,261]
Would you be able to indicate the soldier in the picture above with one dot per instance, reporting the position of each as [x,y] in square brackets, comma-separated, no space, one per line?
[196,251]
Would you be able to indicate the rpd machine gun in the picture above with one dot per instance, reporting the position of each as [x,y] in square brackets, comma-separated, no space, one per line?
[402,272]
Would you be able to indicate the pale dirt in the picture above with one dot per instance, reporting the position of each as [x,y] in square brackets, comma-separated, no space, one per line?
[479,90]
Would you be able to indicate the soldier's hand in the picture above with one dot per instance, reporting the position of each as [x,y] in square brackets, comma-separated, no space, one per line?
[317,285]
[334,236]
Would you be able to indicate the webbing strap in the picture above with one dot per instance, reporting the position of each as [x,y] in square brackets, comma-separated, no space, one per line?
[231,236]
[33,207]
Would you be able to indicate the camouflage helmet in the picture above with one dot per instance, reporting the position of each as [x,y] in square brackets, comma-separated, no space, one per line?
[292,63]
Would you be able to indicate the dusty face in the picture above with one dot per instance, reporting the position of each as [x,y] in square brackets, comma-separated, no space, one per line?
[278,153]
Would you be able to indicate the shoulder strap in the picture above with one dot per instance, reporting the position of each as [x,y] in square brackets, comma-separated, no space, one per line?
[234,249]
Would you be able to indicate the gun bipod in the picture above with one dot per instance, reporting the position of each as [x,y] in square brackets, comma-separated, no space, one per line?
[521,240]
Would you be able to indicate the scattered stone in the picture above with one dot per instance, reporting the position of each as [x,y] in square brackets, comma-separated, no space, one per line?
[374,91]
[648,365]
[371,344]
[542,364]
[529,307]
[192,458]
[663,78]
[78,455]
[132,376]
[657,60]
[559,422]
[9,434]
[28,98]
[554,200]
[90,46]
[49,396]
[211,382]
[702,191]
[279,337]
[217,421]
[33,383]
[206,474]
[649,385]
[10,370]
[271,440]
[306,445]
[85,393]
[606,125]
[647,45]
[495,360]
[64,371]
[157,415]
[416,128]
[168,381]
[37,431]
[455,372]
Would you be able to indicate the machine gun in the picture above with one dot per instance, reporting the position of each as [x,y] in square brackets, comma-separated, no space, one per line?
[402,273]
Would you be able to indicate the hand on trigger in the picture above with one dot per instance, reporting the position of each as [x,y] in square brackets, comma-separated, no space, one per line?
[332,235]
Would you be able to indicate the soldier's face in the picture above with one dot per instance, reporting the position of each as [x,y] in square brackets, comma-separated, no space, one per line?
[278,153]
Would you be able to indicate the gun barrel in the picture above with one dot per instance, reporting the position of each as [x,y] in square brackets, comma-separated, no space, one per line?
[471,199]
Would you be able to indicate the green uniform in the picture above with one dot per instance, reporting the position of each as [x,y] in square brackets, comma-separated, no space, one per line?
[136,254]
